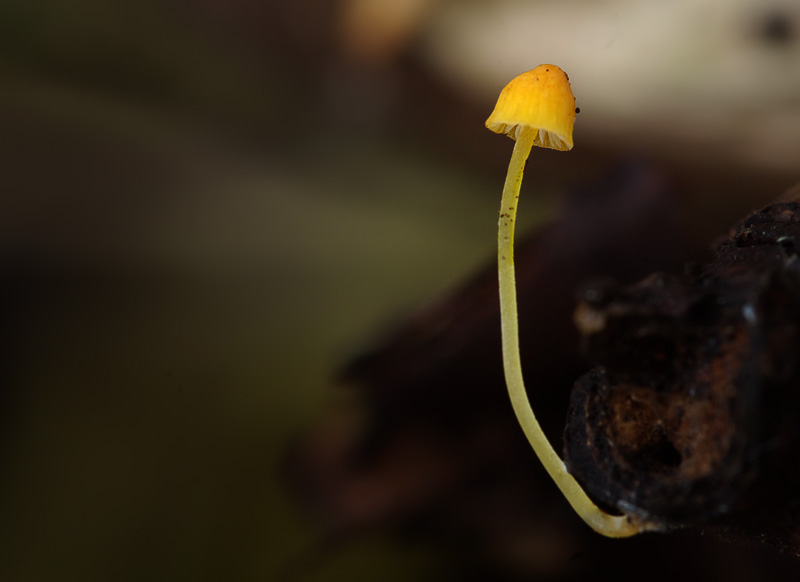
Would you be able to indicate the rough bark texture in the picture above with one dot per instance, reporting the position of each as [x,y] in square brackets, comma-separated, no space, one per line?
[693,410]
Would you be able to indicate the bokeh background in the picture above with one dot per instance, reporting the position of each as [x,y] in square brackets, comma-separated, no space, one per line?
[207,208]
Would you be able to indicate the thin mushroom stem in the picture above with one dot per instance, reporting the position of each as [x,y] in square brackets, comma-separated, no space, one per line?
[603,523]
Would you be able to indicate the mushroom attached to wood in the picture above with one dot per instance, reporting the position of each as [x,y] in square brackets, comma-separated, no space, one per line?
[537,108]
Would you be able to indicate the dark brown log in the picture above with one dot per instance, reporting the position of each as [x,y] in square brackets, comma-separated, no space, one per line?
[692,412]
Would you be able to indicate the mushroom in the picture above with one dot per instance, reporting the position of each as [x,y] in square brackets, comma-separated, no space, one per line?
[537,108]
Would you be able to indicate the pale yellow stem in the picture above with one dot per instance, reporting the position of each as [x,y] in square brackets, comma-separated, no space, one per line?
[597,519]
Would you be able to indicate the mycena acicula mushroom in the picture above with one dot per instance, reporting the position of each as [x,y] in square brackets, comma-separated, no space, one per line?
[537,108]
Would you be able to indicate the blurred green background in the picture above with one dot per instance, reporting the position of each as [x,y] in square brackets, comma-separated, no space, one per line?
[207,207]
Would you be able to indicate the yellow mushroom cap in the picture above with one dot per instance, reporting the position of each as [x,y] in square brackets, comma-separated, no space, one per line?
[541,99]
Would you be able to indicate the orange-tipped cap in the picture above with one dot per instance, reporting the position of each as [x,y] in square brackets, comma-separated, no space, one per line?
[541,99]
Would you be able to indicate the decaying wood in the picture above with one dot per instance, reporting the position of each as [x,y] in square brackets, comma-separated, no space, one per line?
[694,409]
